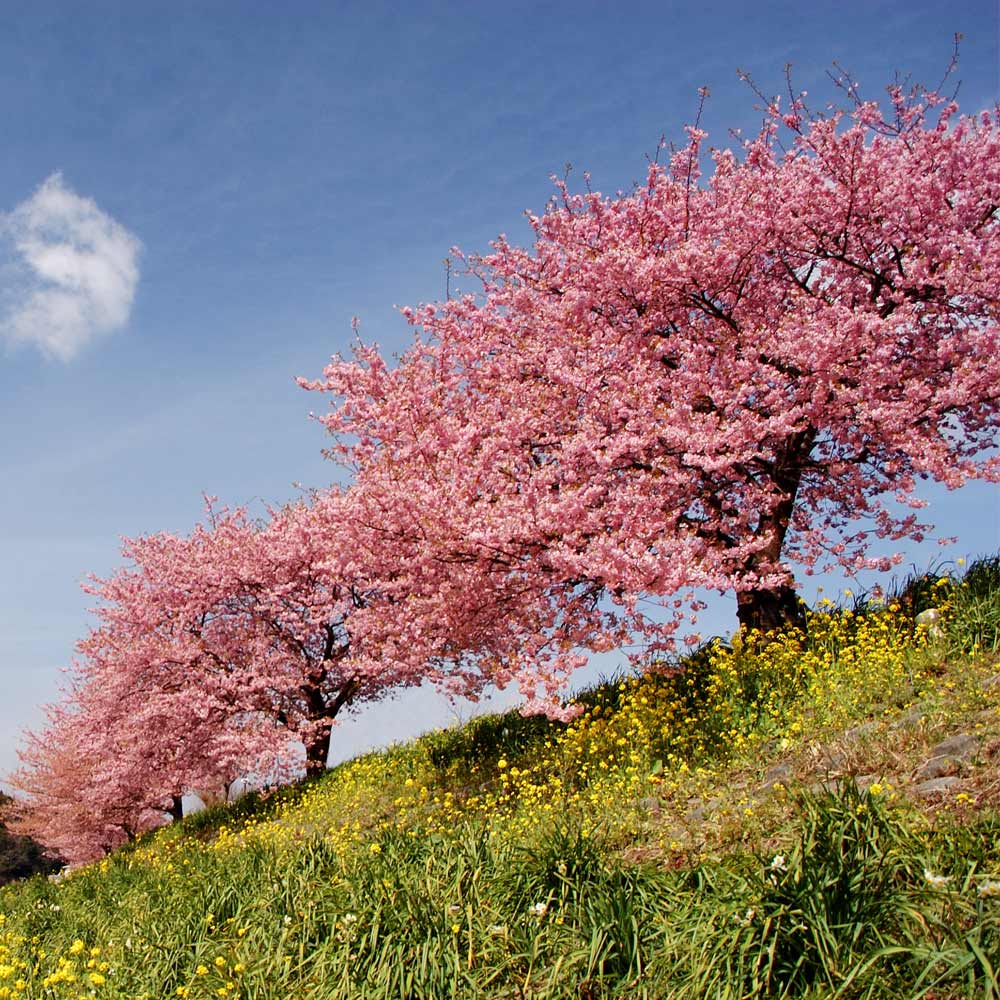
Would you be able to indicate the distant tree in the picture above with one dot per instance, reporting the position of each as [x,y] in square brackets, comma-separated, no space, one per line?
[703,382]
[58,779]
[21,857]
[223,654]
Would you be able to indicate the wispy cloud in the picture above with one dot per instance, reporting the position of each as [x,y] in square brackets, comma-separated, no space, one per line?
[72,274]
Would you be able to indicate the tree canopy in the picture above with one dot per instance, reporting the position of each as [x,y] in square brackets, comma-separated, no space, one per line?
[708,380]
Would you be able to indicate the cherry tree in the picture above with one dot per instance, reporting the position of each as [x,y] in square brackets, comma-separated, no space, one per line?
[78,804]
[232,632]
[226,652]
[189,680]
[705,381]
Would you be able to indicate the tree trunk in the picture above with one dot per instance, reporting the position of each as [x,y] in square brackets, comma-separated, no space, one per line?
[318,750]
[318,747]
[176,809]
[778,607]
[769,610]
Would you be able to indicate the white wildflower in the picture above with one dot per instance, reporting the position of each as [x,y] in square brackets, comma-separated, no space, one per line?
[936,881]
[989,889]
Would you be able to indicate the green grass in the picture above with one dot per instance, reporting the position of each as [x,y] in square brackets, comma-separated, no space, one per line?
[500,859]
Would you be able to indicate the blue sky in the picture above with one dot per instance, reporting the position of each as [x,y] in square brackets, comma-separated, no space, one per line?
[235,184]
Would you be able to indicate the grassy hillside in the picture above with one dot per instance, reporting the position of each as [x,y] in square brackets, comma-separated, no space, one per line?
[816,817]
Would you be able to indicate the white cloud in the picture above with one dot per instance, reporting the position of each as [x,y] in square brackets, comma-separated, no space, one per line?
[73,272]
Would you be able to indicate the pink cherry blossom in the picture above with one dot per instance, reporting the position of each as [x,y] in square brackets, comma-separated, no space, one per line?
[699,384]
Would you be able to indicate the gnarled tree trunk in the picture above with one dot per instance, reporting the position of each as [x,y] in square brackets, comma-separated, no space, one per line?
[318,747]
[770,609]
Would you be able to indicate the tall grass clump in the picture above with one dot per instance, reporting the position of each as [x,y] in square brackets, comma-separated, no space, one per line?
[975,609]
[851,909]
